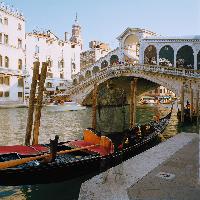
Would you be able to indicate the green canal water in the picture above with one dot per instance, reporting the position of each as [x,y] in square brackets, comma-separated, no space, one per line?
[69,126]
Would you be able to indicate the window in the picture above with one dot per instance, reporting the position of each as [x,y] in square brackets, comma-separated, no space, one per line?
[20,82]
[161,91]
[1,20]
[19,43]
[19,27]
[6,21]
[6,61]
[1,61]
[37,49]
[1,93]
[20,94]
[0,37]
[5,39]
[20,64]
[6,94]
[7,80]
[61,75]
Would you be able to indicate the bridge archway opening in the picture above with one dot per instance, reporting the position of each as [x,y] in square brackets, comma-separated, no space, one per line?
[95,69]
[75,81]
[198,61]
[104,64]
[132,47]
[81,78]
[114,59]
[88,74]
[185,57]
[150,55]
[166,56]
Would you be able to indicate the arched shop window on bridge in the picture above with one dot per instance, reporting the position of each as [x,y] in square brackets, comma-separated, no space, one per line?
[198,61]
[81,78]
[114,59]
[166,56]
[88,74]
[185,57]
[75,82]
[95,69]
[104,64]
[150,55]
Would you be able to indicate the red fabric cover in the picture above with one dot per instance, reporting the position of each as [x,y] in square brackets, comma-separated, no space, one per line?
[80,143]
[23,150]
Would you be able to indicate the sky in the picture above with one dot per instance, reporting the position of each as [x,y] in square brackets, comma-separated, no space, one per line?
[104,20]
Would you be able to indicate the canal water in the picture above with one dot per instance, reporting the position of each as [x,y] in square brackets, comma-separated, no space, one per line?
[69,126]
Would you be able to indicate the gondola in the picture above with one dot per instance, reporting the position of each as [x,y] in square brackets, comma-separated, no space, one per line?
[25,165]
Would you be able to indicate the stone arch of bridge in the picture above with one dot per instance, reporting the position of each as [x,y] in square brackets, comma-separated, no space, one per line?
[95,69]
[88,74]
[150,55]
[159,81]
[166,56]
[104,64]
[185,57]
[198,61]
[114,59]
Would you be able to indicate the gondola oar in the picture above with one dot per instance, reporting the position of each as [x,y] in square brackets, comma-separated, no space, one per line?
[14,163]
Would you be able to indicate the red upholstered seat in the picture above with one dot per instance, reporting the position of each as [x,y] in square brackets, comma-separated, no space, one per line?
[23,150]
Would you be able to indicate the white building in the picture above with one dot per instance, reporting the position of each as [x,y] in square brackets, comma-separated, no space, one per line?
[19,50]
[62,55]
[12,55]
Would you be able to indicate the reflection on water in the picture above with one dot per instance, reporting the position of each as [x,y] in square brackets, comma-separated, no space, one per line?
[69,126]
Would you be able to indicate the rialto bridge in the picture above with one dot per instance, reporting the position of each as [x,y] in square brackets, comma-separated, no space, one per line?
[168,61]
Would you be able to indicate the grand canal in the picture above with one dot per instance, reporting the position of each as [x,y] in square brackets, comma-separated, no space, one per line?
[69,125]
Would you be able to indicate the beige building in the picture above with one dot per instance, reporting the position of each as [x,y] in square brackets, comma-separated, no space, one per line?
[97,50]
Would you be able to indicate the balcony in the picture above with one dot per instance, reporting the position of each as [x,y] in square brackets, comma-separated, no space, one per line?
[13,72]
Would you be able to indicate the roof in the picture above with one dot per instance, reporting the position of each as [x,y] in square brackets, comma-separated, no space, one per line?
[135,30]
[186,37]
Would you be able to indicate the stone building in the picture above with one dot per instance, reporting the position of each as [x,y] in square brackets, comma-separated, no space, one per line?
[97,50]
[12,55]
[18,51]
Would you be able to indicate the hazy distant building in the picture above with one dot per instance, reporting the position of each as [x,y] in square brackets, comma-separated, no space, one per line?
[97,50]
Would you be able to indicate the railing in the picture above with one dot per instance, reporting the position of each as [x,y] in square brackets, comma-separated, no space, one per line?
[13,72]
[113,71]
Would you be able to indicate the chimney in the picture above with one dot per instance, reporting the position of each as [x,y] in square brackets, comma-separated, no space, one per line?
[66,34]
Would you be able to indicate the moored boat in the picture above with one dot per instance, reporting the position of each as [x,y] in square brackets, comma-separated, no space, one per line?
[21,165]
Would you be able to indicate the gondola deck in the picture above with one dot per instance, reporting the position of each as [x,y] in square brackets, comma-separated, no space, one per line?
[74,164]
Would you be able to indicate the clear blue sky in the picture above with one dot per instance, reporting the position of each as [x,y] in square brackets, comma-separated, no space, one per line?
[106,19]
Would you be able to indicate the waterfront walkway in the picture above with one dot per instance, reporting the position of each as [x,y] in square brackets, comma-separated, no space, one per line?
[168,171]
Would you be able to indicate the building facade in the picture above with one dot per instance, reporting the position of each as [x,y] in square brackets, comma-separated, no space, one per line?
[63,58]
[97,50]
[12,55]
[18,51]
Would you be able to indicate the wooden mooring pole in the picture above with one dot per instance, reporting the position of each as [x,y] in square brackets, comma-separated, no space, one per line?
[182,103]
[35,77]
[94,107]
[133,103]
[191,102]
[39,103]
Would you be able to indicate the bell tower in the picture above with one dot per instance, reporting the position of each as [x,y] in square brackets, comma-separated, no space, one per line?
[76,33]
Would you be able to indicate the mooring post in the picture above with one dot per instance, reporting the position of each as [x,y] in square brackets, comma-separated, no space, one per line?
[182,103]
[133,103]
[29,125]
[94,107]
[39,103]
[191,102]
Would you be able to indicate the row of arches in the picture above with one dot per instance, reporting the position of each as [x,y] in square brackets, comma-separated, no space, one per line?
[114,59]
[184,56]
